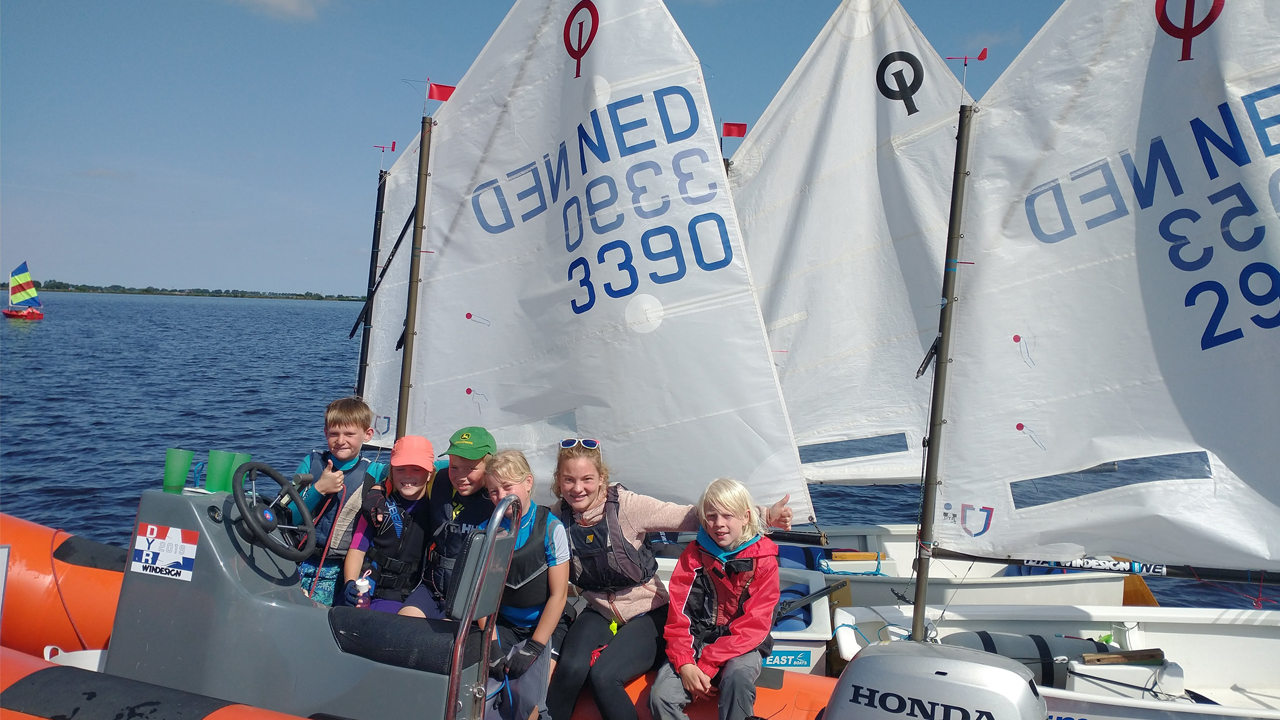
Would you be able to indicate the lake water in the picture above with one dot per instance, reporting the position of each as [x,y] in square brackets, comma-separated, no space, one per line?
[91,397]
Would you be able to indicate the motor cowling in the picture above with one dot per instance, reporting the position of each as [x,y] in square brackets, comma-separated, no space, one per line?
[937,682]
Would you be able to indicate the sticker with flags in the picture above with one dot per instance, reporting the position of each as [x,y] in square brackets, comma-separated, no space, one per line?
[165,551]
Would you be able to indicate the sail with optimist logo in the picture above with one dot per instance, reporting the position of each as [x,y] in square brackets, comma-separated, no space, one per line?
[583,273]
[842,194]
[1122,299]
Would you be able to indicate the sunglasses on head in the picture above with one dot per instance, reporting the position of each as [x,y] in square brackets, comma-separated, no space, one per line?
[587,443]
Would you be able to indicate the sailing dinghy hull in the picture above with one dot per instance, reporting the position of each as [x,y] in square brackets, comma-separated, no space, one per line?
[27,314]
[1227,656]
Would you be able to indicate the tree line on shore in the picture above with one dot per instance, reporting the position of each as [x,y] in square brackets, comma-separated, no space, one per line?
[59,286]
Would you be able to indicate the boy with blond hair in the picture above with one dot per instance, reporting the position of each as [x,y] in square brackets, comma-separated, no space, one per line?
[342,476]
[723,594]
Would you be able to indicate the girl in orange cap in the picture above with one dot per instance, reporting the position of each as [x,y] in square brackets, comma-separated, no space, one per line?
[391,535]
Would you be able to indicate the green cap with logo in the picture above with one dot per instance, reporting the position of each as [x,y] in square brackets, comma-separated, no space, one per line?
[472,443]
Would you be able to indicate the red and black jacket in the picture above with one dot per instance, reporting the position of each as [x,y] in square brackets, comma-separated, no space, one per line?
[720,610]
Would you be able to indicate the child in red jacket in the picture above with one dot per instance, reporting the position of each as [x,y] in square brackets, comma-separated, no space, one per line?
[723,594]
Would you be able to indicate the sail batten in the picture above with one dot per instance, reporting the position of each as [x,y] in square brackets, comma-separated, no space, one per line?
[1124,248]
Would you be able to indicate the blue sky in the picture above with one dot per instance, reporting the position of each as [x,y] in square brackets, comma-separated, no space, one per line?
[230,143]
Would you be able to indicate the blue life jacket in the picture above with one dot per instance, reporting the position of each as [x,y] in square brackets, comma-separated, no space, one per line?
[353,481]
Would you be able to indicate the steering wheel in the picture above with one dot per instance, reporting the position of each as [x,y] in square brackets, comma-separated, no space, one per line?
[261,520]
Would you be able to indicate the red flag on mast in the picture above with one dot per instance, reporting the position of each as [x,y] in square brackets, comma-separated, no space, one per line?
[439,92]
[734,130]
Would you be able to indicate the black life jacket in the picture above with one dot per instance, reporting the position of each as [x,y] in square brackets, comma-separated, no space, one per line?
[603,560]
[703,609]
[449,529]
[527,584]
[353,480]
[398,557]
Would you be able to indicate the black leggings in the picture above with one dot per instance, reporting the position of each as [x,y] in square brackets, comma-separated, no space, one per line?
[635,652]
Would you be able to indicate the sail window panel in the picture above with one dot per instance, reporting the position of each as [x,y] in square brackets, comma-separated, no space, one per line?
[865,505]
[1054,488]
[856,448]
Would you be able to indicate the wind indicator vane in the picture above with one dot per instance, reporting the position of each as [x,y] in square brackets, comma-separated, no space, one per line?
[383,155]
[965,75]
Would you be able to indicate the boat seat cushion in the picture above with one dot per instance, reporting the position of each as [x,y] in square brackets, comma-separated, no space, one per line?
[407,642]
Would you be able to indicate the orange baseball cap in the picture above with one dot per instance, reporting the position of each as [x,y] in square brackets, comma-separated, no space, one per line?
[413,450]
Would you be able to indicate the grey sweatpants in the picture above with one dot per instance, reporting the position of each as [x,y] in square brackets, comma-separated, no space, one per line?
[517,698]
[737,693]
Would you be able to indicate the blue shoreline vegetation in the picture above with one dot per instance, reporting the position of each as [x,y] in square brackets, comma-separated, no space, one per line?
[59,286]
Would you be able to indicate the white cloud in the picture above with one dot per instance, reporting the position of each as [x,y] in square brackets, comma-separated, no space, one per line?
[286,9]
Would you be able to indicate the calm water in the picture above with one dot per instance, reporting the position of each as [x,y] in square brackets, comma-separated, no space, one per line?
[91,397]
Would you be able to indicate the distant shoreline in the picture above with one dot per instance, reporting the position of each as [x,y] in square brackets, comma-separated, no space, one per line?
[59,286]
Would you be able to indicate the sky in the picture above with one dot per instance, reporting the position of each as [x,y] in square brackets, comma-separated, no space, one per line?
[231,143]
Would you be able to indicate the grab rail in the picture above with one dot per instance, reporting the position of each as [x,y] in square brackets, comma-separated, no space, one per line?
[473,600]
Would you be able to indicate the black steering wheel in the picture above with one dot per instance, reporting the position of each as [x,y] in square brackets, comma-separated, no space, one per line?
[262,521]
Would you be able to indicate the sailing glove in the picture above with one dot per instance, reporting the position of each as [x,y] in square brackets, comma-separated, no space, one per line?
[375,506]
[497,661]
[524,658]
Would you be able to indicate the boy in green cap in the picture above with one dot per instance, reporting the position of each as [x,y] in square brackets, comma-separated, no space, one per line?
[457,507]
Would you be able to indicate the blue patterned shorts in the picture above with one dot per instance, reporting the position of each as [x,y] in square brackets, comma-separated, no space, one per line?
[329,573]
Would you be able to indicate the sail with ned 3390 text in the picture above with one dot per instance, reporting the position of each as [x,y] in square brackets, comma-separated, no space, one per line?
[583,273]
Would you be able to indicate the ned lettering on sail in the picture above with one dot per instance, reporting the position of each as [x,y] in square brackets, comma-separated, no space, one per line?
[632,126]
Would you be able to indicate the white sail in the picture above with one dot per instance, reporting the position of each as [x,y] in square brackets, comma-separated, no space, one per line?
[583,271]
[842,191]
[382,382]
[1122,304]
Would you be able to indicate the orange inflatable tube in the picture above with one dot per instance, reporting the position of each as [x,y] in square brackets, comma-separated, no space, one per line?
[801,697]
[61,590]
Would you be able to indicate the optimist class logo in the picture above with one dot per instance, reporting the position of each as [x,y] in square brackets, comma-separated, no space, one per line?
[1189,29]
[164,551]
[903,89]
[577,44]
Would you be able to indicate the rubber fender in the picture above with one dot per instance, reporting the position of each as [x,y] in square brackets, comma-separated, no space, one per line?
[800,697]
[61,590]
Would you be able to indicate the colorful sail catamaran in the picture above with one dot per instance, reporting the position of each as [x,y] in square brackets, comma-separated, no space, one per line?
[24,302]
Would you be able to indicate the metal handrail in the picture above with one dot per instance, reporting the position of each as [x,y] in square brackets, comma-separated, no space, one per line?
[473,600]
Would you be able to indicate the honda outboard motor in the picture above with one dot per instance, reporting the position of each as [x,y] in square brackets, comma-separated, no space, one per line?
[941,682]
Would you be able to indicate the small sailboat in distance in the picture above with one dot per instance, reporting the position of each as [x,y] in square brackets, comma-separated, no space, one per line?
[24,303]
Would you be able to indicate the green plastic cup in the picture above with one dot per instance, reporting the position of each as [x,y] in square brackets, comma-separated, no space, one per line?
[217,474]
[240,459]
[177,463]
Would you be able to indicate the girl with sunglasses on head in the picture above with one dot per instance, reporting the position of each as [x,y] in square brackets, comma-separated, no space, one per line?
[619,636]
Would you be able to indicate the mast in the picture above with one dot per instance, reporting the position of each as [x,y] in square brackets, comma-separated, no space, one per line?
[373,281]
[415,263]
[941,368]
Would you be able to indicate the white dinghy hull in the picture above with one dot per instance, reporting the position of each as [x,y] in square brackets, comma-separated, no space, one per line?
[1229,657]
